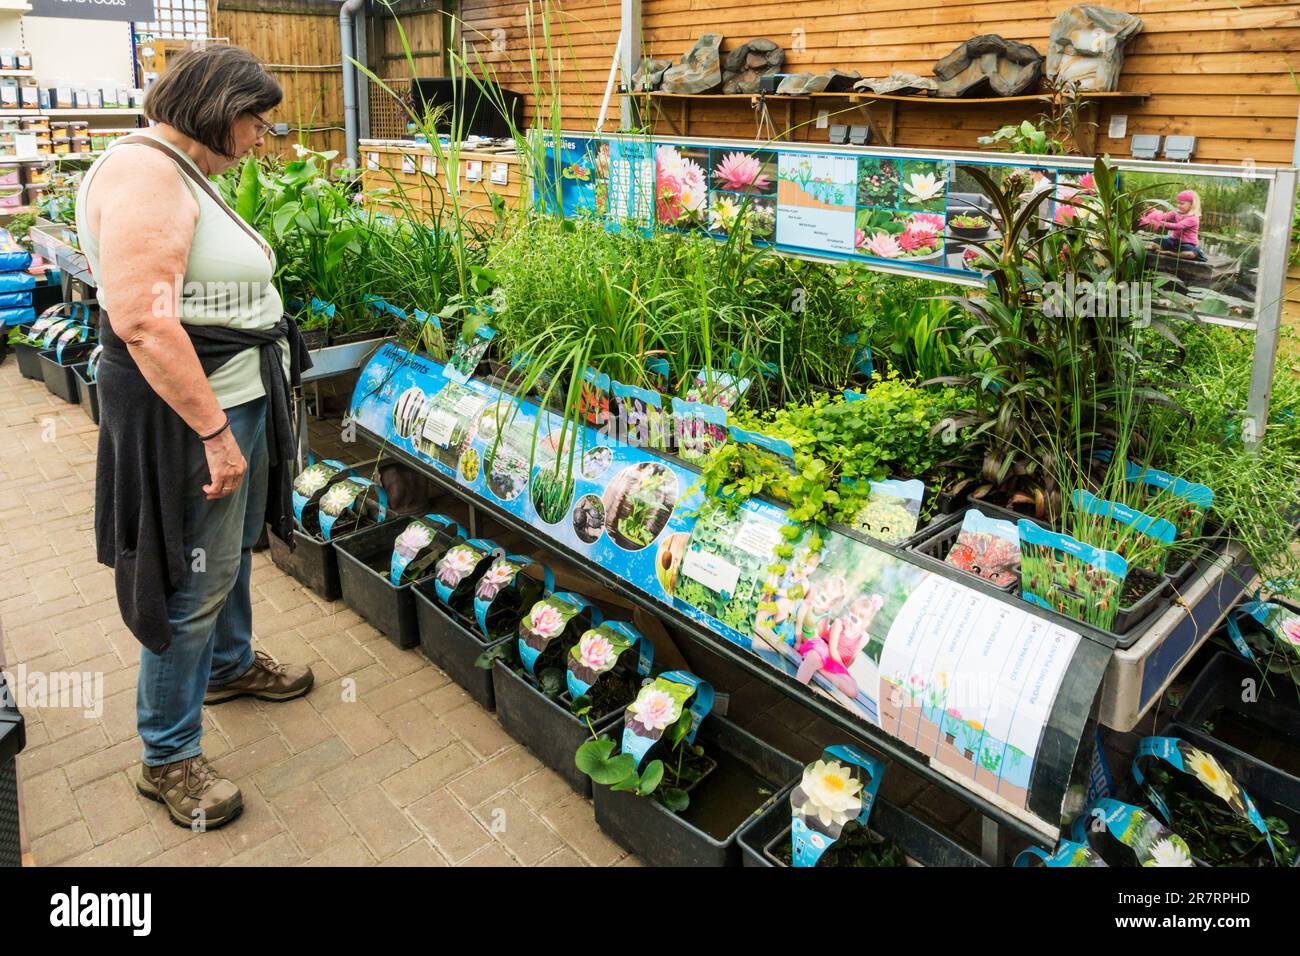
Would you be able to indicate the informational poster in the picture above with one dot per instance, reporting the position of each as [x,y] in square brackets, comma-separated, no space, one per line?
[932,216]
[965,678]
[131,11]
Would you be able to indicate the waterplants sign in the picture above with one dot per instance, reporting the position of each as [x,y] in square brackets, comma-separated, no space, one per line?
[138,11]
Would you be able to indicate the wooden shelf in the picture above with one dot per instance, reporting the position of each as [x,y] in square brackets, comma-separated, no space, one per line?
[882,135]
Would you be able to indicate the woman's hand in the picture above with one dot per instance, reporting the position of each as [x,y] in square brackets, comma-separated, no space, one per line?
[226,465]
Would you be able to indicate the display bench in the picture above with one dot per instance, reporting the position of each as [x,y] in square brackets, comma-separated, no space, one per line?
[978,692]
[420,173]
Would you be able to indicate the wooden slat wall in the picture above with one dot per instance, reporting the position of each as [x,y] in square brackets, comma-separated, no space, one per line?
[299,43]
[428,194]
[1217,69]
[423,24]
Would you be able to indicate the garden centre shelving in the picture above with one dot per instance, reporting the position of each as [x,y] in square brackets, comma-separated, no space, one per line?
[1041,672]
[421,176]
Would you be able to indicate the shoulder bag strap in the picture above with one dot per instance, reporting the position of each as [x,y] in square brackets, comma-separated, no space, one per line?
[202,182]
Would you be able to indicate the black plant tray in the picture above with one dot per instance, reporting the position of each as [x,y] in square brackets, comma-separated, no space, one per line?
[941,536]
[314,338]
[350,337]
[662,838]
[921,842]
[369,592]
[1273,792]
[59,377]
[545,726]
[87,392]
[453,645]
[1218,688]
[29,362]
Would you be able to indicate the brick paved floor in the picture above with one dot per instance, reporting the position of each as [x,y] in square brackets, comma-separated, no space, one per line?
[412,773]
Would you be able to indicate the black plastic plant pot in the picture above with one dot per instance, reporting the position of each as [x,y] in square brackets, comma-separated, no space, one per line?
[364,558]
[546,727]
[29,360]
[940,540]
[58,374]
[746,782]
[87,392]
[1274,792]
[760,839]
[350,337]
[1259,739]
[454,645]
[314,338]
[1132,615]
[312,562]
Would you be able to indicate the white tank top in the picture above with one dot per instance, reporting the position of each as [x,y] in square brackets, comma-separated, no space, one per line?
[227,279]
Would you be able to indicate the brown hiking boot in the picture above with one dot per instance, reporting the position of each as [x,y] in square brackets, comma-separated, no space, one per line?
[266,679]
[192,791]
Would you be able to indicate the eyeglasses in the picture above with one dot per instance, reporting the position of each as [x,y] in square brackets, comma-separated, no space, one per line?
[263,127]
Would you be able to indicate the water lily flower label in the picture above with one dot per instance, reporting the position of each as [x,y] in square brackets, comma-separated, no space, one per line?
[1278,620]
[415,546]
[546,621]
[597,653]
[1151,843]
[1067,853]
[838,787]
[1205,768]
[458,566]
[311,483]
[346,498]
[988,548]
[504,576]
[659,705]
[1069,576]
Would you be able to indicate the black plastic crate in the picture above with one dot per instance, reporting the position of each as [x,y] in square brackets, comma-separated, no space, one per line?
[454,646]
[920,841]
[87,392]
[940,540]
[58,374]
[368,591]
[662,838]
[29,360]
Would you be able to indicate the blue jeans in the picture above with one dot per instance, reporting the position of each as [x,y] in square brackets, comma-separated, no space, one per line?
[211,614]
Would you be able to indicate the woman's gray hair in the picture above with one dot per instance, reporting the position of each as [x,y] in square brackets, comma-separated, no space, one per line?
[205,91]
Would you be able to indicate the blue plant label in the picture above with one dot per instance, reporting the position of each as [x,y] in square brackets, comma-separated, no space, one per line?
[53,330]
[1069,576]
[598,651]
[594,398]
[312,481]
[547,620]
[1205,768]
[1196,500]
[699,429]
[641,418]
[658,367]
[92,364]
[416,539]
[1150,841]
[766,369]
[861,355]
[321,307]
[423,318]
[459,563]
[709,387]
[1121,516]
[380,307]
[343,497]
[75,333]
[892,511]
[465,356]
[658,706]
[1235,634]
[853,395]
[778,448]
[1067,853]
[835,789]
[503,574]
[1279,621]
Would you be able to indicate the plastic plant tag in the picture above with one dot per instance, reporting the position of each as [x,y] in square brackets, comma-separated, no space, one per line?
[74,333]
[775,454]
[598,650]
[465,356]
[413,549]
[53,331]
[594,398]
[547,620]
[1279,621]
[503,580]
[716,388]
[1205,769]
[310,485]
[1062,574]
[988,548]
[321,307]
[766,369]
[1184,503]
[345,499]
[835,789]
[1067,853]
[892,511]
[659,705]
[658,368]
[698,429]
[862,354]
[1117,539]
[458,565]
[1150,842]
[642,422]
[92,364]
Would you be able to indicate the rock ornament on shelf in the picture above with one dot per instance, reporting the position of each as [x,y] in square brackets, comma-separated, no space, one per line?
[989,63]
[1086,46]
[700,69]
[749,62]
